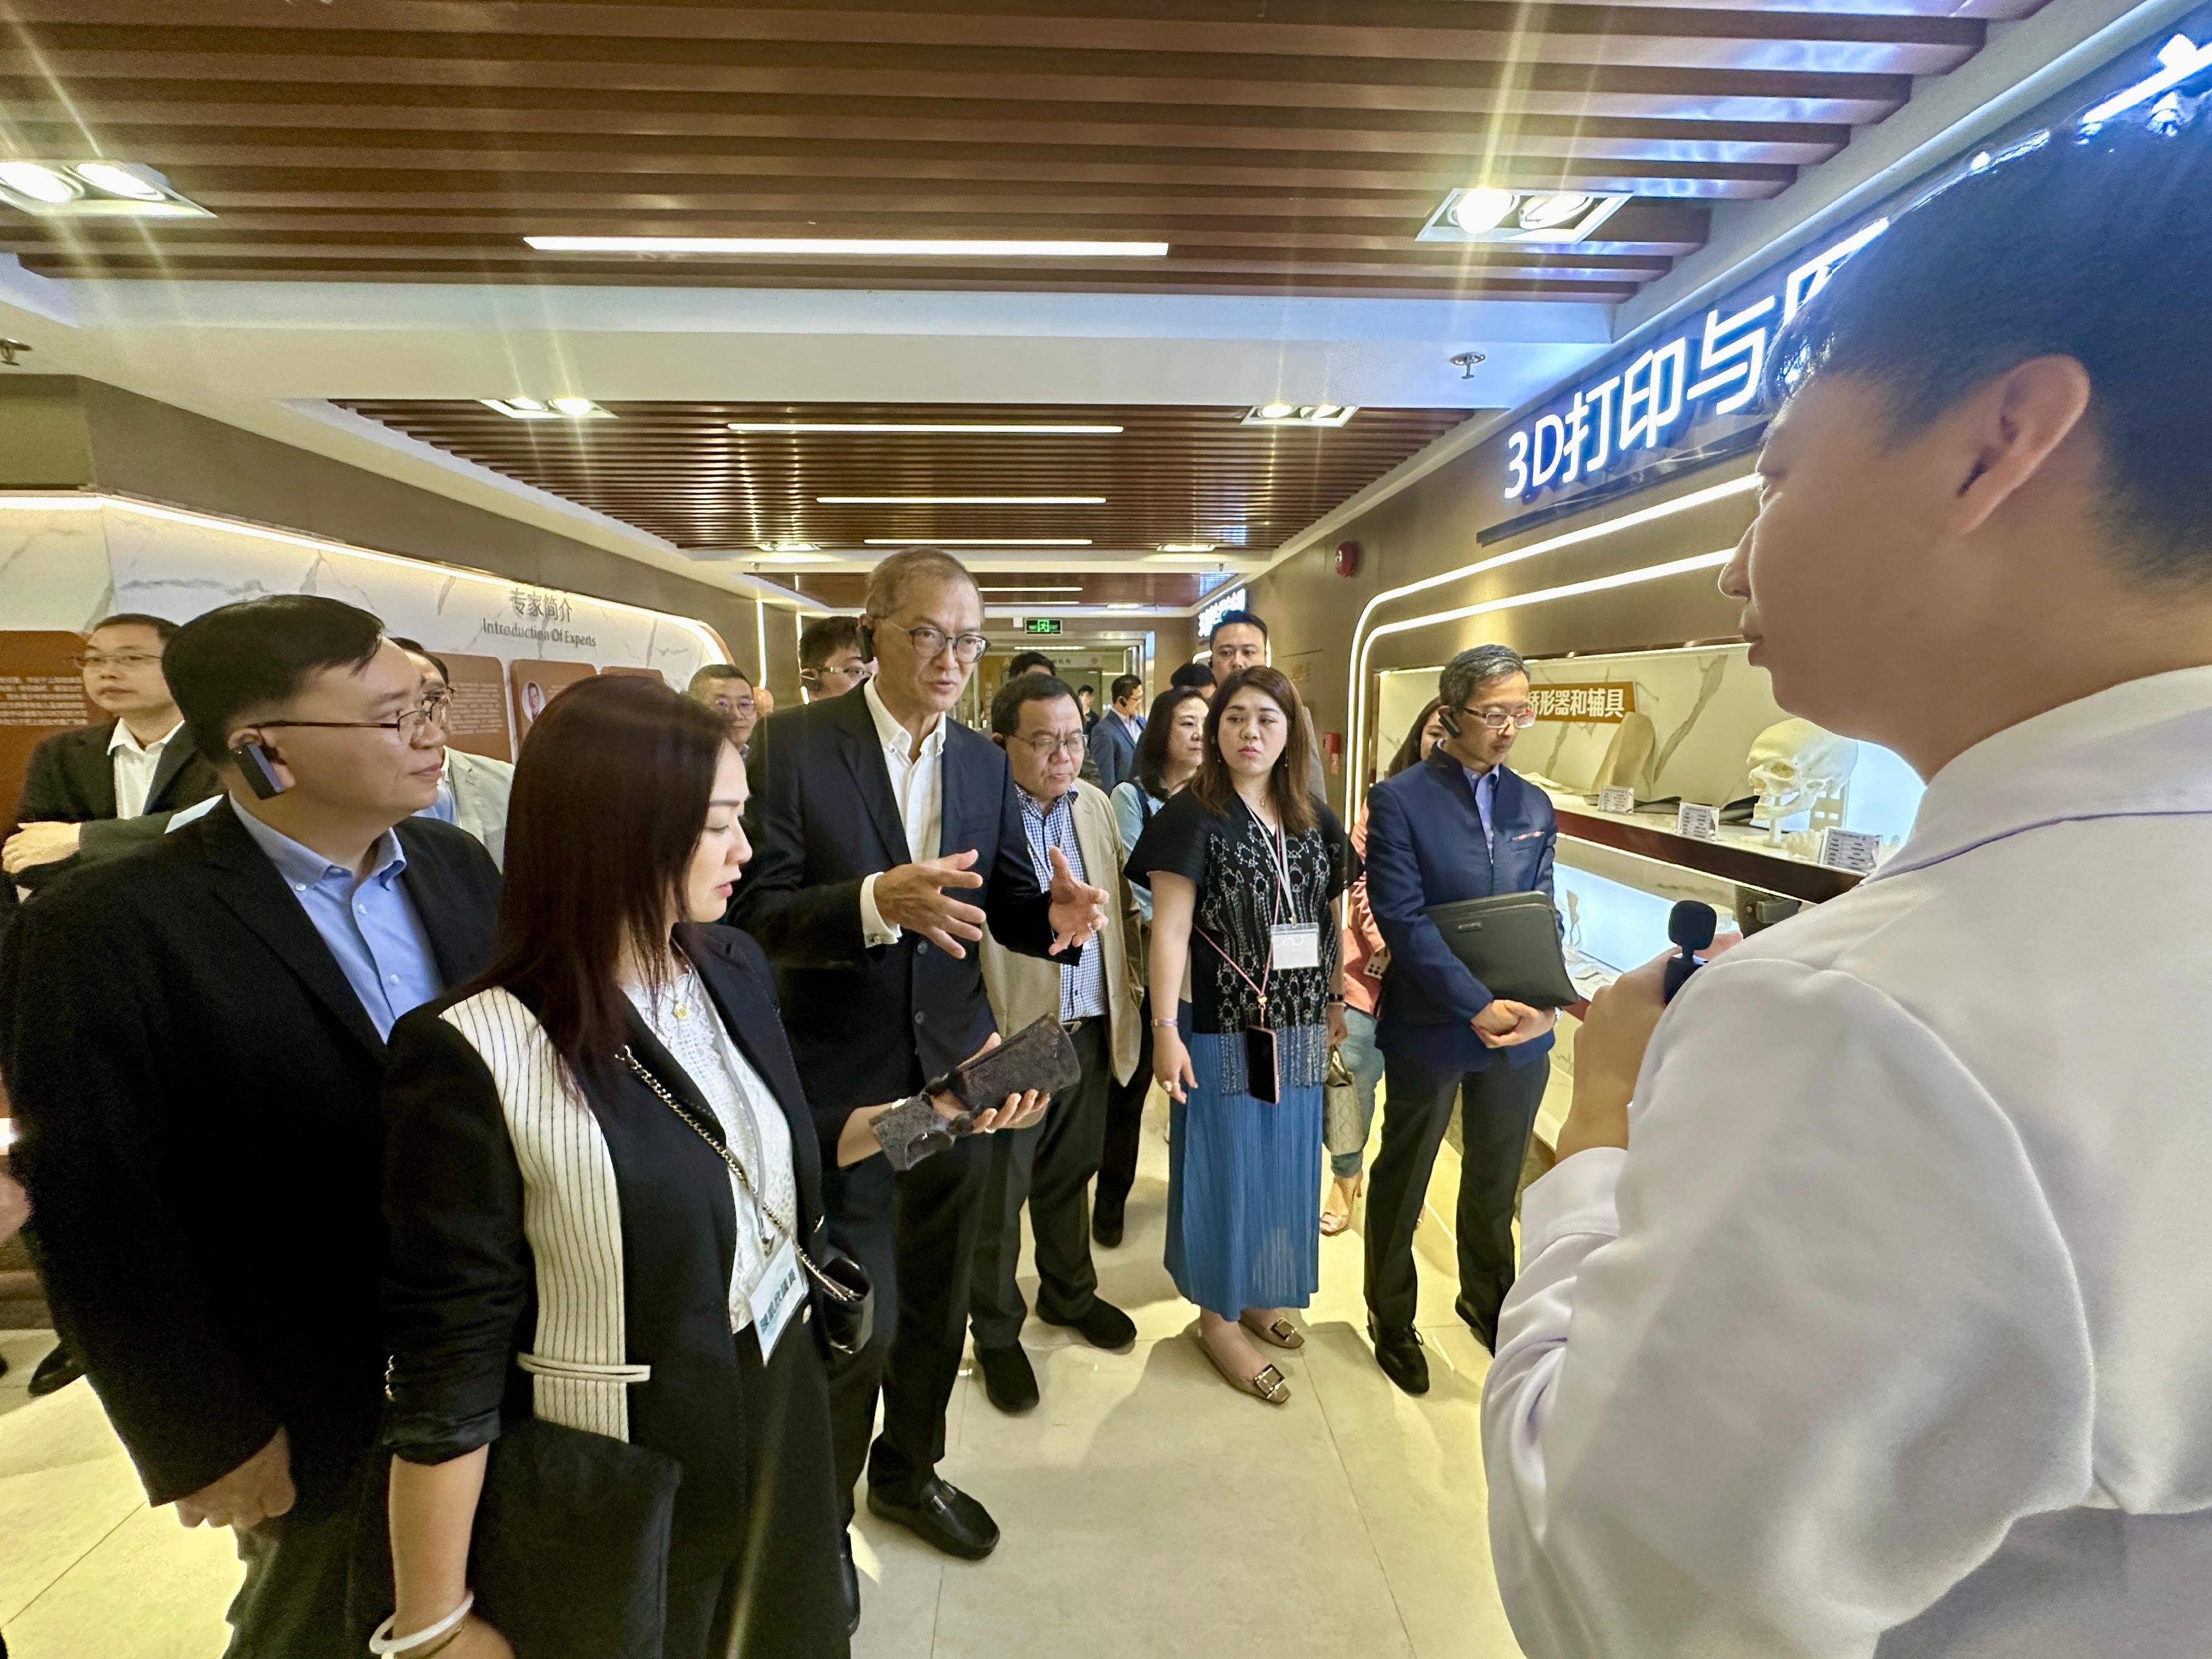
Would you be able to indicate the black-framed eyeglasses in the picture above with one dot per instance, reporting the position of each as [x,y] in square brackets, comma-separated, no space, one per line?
[929,642]
[411,725]
[1497,719]
[115,659]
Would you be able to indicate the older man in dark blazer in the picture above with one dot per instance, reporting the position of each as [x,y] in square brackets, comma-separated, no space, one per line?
[875,818]
[193,1040]
[1460,825]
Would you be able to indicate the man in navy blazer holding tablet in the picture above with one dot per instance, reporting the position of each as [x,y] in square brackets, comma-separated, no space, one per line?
[1458,826]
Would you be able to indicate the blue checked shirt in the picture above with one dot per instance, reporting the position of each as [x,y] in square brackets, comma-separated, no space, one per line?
[1082,983]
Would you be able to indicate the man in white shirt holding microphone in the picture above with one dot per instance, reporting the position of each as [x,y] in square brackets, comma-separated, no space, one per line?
[1868,1310]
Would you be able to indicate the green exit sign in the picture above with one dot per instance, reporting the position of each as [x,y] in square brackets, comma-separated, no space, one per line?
[1041,624]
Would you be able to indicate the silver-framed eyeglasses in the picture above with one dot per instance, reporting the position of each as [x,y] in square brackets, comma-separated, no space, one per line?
[929,642]
[115,659]
[1497,719]
[1044,745]
[410,726]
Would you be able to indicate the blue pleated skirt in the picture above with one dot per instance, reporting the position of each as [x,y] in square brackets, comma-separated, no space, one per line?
[1244,1183]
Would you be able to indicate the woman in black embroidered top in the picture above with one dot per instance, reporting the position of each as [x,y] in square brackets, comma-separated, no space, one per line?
[1244,866]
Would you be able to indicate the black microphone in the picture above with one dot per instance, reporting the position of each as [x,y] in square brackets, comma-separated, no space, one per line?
[1691,926]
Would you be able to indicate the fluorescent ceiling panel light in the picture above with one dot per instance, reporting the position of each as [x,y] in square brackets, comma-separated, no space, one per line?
[1125,604]
[1026,428]
[925,247]
[93,190]
[962,500]
[1185,547]
[978,541]
[1028,587]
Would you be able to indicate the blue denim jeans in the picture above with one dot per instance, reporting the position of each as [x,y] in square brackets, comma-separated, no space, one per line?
[1365,1061]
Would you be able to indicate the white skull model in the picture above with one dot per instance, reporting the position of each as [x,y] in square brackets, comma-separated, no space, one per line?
[1795,766]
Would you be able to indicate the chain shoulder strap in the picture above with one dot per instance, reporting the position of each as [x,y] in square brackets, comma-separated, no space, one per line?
[829,1286]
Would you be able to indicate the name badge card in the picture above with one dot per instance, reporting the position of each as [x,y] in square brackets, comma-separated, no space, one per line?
[1697,822]
[1851,850]
[1296,945]
[777,1296]
[1615,798]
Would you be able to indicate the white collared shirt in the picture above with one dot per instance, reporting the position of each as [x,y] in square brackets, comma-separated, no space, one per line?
[135,765]
[1890,1333]
[918,787]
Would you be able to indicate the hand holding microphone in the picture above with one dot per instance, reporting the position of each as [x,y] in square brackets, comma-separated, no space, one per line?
[1691,926]
[1617,1030]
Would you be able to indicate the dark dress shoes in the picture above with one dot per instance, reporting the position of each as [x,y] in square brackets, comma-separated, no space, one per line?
[56,1372]
[1102,1325]
[1008,1378]
[1485,1330]
[849,1576]
[1398,1353]
[940,1514]
[1106,1229]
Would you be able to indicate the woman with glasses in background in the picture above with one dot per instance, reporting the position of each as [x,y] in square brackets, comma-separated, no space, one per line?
[1168,752]
[1245,864]
[1365,956]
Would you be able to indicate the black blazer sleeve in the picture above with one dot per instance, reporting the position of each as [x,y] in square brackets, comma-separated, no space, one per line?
[459,1280]
[82,1055]
[799,924]
[47,797]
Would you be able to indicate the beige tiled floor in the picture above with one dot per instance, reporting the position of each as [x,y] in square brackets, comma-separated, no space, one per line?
[1144,1508]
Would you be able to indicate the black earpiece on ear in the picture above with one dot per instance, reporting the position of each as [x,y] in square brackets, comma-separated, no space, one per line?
[868,641]
[1448,719]
[258,769]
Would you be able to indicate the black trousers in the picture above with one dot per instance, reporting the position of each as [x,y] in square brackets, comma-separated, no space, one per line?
[915,1235]
[1125,1128]
[1497,1109]
[294,1602]
[775,1586]
[1049,1165]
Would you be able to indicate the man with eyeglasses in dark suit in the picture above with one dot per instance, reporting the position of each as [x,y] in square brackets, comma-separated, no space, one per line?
[876,818]
[1460,825]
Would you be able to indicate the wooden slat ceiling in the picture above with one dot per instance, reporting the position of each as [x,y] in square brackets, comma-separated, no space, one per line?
[1173,474]
[1276,144]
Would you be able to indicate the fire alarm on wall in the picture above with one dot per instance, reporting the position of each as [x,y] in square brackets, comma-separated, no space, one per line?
[1347,558]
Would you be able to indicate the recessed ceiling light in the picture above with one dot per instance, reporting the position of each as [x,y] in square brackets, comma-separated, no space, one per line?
[1027,428]
[978,541]
[787,547]
[1299,414]
[117,181]
[93,190]
[962,500]
[1481,208]
[1126,604]
[849,246]
[1185,547]
[538,409]
[1542,212]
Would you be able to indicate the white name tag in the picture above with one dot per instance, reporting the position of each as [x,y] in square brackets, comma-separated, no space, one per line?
[777,1296]
[1697,822]
[1614,799]
[1850,849]
[1296,946]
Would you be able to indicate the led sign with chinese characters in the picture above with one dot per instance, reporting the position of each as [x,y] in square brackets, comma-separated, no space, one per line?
[1712,368]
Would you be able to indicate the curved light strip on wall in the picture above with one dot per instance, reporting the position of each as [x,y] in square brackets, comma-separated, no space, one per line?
[1650,572]
[709,642]
[1355,700]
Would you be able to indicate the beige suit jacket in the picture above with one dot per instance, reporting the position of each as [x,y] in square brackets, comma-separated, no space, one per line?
[1025,989]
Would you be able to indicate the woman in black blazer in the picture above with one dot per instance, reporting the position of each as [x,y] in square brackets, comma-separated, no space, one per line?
[570,1241]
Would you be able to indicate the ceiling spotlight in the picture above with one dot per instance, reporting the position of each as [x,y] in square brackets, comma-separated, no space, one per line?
[38,182]
[1299,414]
[962,500]
[1185,547]
[117,181]
[1544,212]
[93,190]
[1480,208]
[969,428]
[787,547]
[537,409]
[847,246]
